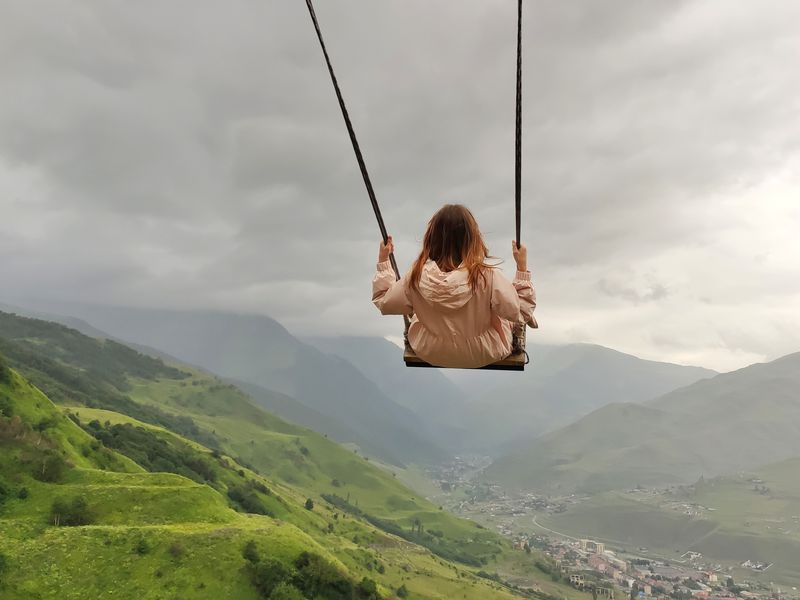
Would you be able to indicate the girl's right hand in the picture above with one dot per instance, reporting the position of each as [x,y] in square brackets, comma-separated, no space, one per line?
[520,255]
[385,250]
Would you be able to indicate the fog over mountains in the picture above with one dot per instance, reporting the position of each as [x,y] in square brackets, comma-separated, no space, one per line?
[358,390]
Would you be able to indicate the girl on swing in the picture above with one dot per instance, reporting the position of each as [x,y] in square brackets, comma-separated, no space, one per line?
[464,309]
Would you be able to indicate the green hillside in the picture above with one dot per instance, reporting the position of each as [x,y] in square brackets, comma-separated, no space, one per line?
[159,533]
[175,511]
[260,351]
[731,422]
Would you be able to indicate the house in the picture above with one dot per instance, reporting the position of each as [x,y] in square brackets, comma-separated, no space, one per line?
[598,563]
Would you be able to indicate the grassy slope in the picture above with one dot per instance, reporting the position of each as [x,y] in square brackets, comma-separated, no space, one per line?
[275,447]
[165,509]
[260,351]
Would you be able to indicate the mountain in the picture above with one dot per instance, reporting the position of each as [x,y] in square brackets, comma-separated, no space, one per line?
[427,392]
[480,411]
[259,351]
[733,421]
[561,384]
[151,480]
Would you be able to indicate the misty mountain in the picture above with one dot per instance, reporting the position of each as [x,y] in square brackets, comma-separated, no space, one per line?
[561,384]
[259,351]
[731,422]
[427,392]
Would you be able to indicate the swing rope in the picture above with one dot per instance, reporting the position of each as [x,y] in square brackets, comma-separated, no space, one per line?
[360,158]
[518,136]
[356,148]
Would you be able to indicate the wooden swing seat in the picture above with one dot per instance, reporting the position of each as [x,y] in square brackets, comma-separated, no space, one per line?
[516,361]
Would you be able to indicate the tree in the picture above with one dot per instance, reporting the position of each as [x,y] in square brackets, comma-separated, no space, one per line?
[527,548]
[74,513]
[52,467]
[418,525]
[634,591]
[309,504]
[402,591]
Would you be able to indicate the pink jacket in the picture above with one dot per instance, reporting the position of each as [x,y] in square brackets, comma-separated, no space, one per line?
[452,325]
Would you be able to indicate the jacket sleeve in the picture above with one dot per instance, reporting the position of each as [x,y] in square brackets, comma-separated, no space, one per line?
[388,294]
[515,301]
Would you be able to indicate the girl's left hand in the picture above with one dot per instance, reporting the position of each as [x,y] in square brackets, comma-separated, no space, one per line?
[520,255]
[385,250]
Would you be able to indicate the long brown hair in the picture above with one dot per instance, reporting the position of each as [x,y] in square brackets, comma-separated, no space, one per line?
[453,239]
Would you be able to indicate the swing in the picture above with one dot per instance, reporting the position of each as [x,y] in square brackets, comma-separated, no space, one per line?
[518,358]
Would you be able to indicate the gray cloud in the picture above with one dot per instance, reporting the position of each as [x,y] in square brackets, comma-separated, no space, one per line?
[175,154]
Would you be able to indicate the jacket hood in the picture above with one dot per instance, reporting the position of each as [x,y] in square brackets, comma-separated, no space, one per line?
[448,290]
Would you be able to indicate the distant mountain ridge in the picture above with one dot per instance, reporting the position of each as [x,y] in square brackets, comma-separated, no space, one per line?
[564,383]
[734,421]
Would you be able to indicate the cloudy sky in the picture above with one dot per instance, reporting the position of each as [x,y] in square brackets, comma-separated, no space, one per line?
[185,154]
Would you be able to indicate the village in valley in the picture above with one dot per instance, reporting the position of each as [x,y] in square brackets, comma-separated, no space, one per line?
[591,565]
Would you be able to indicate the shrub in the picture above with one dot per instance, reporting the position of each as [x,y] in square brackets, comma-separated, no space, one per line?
[259,487]
[268,574]
[5,372]
[286,591]
[72,514]
[367,589]
[318,578]
[142,547]
[176,549]
[309,504]
[402,591]
[23,493]
[245,499]
[5,491]
[46,423]
[3,566]
[250,552]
